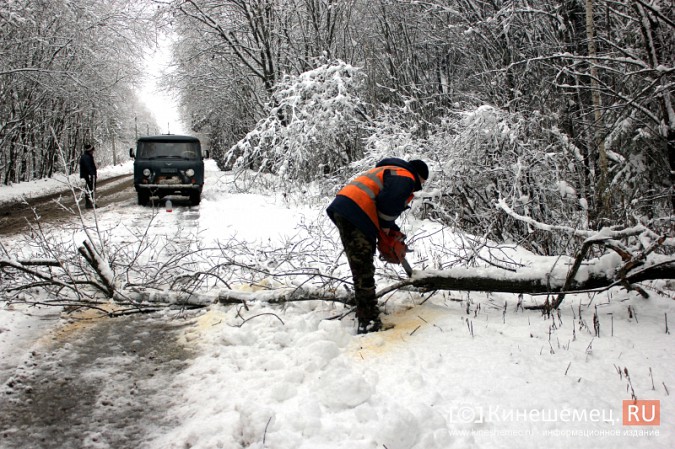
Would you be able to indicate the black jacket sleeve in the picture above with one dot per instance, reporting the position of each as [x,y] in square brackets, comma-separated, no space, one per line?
[392,200]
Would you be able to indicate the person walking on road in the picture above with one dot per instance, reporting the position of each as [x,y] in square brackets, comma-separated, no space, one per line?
[365,210]
[88,173]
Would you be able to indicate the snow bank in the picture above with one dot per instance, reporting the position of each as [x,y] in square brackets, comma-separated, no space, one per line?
[58,183]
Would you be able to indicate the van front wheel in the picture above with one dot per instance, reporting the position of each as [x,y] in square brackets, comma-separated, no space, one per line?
[143,198]
[195,198]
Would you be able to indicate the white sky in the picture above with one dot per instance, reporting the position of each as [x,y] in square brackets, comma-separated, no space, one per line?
[162,105]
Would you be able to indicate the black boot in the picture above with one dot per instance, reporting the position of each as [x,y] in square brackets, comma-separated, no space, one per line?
[367,326]
[369,319]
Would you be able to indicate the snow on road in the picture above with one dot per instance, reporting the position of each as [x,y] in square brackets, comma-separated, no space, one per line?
[458,371]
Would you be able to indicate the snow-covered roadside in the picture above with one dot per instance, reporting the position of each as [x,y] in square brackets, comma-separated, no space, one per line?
[58,183]
[459,371]
[521,380]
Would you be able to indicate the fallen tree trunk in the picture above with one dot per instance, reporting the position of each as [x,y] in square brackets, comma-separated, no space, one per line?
[530,281]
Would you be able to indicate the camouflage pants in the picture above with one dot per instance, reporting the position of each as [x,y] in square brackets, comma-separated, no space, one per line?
[360,252]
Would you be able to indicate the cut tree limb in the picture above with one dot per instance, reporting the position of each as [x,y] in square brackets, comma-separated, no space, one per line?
[94,259]
[466,279]
[23,266]
[529,281]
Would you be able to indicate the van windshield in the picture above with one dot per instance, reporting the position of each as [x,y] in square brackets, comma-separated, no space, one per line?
[183,150]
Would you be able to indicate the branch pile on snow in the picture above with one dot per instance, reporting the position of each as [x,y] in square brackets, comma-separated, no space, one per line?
[142,276]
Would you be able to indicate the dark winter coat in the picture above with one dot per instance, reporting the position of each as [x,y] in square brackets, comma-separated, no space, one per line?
[391,201]
[87,166]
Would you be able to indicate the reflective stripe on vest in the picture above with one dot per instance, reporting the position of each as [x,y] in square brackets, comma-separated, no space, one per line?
[363,190]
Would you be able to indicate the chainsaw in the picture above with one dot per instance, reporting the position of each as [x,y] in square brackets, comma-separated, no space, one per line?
[393,249]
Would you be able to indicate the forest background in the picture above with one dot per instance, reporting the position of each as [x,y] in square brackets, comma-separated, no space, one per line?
[530,113]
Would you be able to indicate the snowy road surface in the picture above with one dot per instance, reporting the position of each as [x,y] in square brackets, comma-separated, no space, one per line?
[78,379]
[94,382]
[458,370]
[19,214]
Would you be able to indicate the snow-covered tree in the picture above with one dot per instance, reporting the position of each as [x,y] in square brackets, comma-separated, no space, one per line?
[491,156]
[231,54]
[66,71]
[314,127]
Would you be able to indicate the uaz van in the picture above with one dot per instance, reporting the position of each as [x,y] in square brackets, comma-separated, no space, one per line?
[168,165]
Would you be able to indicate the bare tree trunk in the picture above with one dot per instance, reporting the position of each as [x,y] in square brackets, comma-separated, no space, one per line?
[653,46]
[601,194]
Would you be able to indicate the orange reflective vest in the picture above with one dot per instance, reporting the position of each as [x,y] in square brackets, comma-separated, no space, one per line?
[363,190]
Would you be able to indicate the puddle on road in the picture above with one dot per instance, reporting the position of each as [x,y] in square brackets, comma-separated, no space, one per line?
[98,383]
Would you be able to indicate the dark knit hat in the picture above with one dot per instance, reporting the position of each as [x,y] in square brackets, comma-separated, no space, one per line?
[420,168]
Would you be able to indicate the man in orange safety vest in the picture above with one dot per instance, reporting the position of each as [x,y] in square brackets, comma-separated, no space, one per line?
[365,210]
